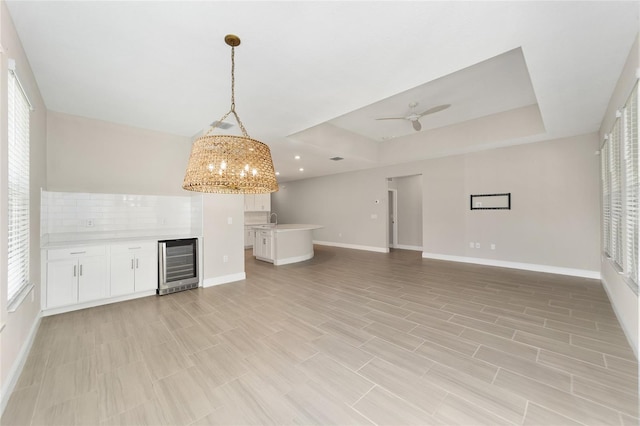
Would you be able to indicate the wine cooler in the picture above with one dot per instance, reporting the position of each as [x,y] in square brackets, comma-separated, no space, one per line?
[177,265]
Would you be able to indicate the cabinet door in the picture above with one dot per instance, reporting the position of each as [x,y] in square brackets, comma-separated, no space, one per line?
[248,237]
[249,202]
[92,279]
[259,243]
[263,202]
[256,244]
[267,250]
[62,283]
[122,274]
[146,267]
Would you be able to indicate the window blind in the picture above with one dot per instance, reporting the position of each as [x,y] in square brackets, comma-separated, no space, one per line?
[615,173]
[606,198]
[18,188]
[630,151]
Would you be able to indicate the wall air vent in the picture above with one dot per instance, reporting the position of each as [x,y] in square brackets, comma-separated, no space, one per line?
[222,125]
[336,158]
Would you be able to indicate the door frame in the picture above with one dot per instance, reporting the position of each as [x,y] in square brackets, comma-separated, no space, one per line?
[392,224]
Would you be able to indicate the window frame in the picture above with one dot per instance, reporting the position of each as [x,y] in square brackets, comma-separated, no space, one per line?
[18,191]
[620,196]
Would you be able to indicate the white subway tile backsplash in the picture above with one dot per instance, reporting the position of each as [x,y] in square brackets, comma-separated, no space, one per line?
[66,215]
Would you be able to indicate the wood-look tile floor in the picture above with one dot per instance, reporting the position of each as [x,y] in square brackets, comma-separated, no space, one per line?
[350,337]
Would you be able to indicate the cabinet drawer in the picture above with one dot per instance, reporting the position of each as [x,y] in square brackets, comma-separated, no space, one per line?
[133,247]
[65,253]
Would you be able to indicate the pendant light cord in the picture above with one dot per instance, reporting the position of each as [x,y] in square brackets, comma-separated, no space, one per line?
[233,79]
[233,99]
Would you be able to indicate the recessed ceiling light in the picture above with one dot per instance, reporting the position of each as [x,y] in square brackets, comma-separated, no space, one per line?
[301,169]
[277,173]
[297,157]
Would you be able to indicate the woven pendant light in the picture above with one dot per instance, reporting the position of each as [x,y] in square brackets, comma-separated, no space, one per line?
[226,164]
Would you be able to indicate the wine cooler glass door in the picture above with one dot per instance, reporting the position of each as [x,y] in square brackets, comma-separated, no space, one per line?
[178,264]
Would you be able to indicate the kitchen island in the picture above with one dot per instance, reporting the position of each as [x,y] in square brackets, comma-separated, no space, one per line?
[283,244]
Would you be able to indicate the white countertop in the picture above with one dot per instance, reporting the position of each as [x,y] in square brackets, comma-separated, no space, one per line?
[103,241]
[287,227]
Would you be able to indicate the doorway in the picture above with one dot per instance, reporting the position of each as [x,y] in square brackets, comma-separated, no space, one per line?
[404,225]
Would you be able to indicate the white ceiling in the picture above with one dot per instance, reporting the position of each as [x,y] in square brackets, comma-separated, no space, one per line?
[311,77]
[498,84]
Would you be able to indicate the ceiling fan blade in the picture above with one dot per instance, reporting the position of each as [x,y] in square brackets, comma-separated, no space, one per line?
[435,109]
[416,125]
[392,118]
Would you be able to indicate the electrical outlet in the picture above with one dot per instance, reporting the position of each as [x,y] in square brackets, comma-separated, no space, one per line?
[339,234]
[471,245]
[225,258]
[477,245]
[89,223]
[229,220]
[374,216]
[493,246]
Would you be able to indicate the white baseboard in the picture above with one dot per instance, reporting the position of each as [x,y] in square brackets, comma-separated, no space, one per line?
[583,273]
[225,279]
[294,259]
[627,333]
[16,369]
[406,247]
[352,246]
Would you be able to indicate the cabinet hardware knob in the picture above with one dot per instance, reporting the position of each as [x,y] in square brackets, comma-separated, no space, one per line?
[80,269]
[77,252]
[74,270]
[131,263]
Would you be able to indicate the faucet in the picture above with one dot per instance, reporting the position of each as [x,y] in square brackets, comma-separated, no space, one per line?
[274,214]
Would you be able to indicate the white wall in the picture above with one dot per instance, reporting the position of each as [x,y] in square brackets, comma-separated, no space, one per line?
[87,155]
[624,300]
[223,236]
[343,204]
[554,217]
[20,325]
[553,225]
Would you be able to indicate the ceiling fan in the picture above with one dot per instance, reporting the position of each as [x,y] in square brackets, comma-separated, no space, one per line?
[414,117]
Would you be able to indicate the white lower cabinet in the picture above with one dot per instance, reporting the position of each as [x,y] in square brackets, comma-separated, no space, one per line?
[62,283]
[134,268]
[249,235]
[76,275]
[93,273]
[92,279]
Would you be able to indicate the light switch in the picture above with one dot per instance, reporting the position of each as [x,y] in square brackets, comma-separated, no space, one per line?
[230,220]
[374,216]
